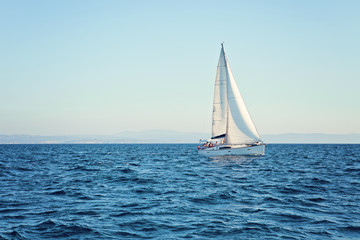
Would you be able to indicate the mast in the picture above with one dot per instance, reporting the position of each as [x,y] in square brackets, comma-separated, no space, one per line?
[227,94]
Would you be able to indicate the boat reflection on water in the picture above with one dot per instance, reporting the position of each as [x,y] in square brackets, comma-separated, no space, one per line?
[234,159]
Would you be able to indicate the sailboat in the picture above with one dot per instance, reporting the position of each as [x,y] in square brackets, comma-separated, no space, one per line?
[233,131]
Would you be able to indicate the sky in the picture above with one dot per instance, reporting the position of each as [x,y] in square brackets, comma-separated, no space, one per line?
[103,67]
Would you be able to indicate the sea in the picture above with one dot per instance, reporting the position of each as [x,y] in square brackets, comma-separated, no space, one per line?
[169,191]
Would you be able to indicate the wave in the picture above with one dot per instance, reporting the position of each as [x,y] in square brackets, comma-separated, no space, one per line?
[170,192]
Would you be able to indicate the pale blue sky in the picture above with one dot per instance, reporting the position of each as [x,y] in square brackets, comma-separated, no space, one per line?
[102,67]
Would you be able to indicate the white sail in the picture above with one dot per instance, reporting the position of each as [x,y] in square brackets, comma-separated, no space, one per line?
[219,117]
[240,127]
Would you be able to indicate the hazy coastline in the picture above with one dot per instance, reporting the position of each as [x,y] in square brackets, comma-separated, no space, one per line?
[163,136]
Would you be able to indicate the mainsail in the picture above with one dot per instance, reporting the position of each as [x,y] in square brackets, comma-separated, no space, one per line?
[219,118]
[230,115]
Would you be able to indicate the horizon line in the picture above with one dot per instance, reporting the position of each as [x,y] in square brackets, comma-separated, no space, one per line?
[139,131]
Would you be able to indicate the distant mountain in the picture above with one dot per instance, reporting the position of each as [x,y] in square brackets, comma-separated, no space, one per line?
[149,136]
[311,138]
[164,136]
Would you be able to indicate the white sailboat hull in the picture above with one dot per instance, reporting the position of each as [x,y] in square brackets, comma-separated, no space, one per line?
[215,151]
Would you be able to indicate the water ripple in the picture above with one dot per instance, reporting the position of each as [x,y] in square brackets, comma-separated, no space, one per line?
[157,191]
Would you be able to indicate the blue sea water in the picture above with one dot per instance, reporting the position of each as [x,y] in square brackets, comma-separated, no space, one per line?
[168,191]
